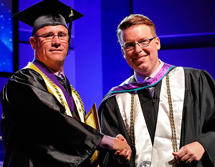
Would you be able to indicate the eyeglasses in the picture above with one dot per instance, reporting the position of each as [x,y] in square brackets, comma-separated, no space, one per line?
[142,44]
[63,37]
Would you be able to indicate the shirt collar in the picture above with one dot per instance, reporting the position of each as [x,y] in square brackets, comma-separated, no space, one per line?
[56,73]
[141,78]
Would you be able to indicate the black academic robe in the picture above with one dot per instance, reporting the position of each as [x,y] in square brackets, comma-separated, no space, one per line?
[35,130]
[198,122]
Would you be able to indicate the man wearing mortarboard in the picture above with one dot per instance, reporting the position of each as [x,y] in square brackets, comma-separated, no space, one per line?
[43,116]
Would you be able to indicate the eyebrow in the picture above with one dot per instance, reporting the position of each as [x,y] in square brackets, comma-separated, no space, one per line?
[51,32]
[135,42]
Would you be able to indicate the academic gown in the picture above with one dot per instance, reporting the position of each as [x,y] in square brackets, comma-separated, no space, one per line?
[198,119]
[35,130]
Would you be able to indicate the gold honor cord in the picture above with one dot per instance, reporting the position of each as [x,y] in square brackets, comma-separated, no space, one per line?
[132,121]
[174,140]
[79,104]
[52,88]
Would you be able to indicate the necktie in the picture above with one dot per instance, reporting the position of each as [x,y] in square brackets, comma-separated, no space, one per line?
[151,89]
[62,79]
[61,76]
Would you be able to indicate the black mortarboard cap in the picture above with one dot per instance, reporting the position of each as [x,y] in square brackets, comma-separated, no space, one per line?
[48,12]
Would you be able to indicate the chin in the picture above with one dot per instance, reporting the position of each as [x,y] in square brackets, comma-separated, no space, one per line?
[142,70]
[142,67]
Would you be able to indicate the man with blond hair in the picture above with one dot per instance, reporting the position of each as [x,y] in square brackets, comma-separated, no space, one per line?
[166,113]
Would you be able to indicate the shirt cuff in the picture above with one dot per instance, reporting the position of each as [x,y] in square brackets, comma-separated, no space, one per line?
[106,143]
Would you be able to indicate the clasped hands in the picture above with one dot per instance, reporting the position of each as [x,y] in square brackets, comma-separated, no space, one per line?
[121,149]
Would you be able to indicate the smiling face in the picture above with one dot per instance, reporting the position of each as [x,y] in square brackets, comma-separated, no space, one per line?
[53,52]
[145,60]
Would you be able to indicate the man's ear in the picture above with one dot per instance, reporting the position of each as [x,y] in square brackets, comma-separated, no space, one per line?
[33,42]
[158,44]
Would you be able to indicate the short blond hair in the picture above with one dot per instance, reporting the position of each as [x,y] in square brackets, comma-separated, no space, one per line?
[134,19]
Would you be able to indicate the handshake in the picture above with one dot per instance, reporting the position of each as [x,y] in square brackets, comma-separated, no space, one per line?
[121,149]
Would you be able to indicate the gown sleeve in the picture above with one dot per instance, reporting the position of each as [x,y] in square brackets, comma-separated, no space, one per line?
[112,125]
[33,121]
[206,105]
[198,123]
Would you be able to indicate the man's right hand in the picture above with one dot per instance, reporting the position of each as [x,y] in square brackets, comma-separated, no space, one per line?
[122,150]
